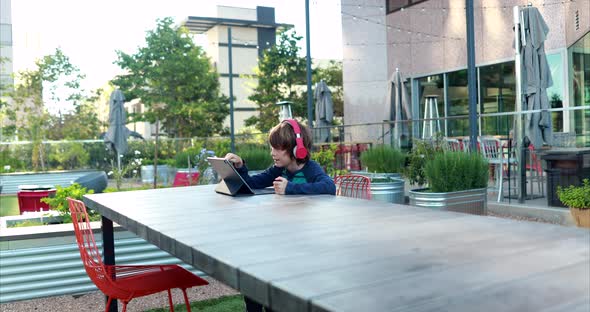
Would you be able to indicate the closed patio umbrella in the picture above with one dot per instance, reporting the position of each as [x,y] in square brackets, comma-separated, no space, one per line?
[397,99]
[324,111]
[117,134]
[535,78]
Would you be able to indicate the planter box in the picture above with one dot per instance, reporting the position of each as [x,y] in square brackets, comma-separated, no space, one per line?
[30,200]
[164,174]
[186,177]
[470,201]
[581,216]
[390,192]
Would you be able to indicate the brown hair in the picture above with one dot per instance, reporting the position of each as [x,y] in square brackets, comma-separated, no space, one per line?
[282,137]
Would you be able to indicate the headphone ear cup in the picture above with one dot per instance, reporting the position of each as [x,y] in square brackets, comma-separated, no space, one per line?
[299,150]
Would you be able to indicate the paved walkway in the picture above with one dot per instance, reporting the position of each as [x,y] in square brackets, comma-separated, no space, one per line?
[94,301]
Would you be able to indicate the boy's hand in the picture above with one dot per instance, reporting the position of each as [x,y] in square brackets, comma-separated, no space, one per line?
[280,185]
[234,159]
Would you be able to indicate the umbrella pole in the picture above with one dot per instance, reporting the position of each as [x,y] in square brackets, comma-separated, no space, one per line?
[519,130]
[119,162]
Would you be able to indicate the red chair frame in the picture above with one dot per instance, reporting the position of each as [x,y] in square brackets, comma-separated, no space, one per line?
[353,185]
[125,282]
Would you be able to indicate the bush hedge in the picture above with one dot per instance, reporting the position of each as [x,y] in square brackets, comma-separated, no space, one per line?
[456,171]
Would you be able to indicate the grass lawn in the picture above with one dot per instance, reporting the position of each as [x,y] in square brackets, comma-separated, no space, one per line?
[223,304]
[9,206]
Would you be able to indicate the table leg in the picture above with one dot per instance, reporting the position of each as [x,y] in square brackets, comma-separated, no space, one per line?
[108,251]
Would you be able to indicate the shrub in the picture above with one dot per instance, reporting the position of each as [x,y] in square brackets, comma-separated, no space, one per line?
[575,196]
[182,158]
[422,152]
[325,157]
[456,171]
[69,155]
[257,157]
[383,159]
[59,202]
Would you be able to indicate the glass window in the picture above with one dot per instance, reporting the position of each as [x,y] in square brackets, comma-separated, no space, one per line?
[458,103]
[6,34]
[555,92]
[580,88]
[497,95]
[395,5]
[431,88]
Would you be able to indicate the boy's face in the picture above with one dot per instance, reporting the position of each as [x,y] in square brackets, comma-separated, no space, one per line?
[281,158]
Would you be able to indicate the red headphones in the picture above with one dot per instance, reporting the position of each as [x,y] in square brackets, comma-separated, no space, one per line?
[299,150]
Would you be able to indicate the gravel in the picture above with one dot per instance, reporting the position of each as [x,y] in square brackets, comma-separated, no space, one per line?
[95,301]
[521,218]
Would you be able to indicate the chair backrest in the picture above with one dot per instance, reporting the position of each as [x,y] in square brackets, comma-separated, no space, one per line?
[535,162]
[88,250]
[490,147]
[452,145]
[466,144]
[353,185]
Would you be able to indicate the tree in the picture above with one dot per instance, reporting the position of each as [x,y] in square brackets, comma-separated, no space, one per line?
[28,112]
[280,73]
[81,124]
[282,76]
[175,81]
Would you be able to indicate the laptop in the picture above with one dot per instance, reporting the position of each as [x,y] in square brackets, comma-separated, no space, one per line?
[231,182]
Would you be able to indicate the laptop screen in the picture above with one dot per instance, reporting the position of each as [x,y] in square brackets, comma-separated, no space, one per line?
[232,182]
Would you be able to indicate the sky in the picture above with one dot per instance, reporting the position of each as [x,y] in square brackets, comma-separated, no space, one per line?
[89,32]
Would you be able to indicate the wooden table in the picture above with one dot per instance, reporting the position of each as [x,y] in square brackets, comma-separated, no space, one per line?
[326,253]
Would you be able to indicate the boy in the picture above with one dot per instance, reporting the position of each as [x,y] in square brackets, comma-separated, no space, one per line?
[293,172]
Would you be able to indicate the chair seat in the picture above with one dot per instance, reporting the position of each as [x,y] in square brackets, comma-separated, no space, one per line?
[145,280]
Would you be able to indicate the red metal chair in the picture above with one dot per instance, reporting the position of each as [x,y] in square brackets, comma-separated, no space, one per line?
[125,282]
[352,185]
[536,170]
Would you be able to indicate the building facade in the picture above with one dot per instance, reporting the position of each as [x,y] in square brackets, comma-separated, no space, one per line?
[426,41]
[5,43]
[253,31]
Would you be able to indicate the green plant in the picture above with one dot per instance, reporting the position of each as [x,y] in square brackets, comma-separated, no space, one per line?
[383,159]
[422,152]
[456,171]
[575,196]
[59,202]
[126,169]
[325,157]
[257,158]
[68,155]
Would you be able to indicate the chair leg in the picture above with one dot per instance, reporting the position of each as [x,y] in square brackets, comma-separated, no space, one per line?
[188,304]
[125,306]
[501,179]
[106,309]
[170,301]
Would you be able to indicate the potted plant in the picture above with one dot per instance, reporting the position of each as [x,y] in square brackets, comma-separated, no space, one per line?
[384,166]
[422,152]
[187,172]
[457,181]
[577,198]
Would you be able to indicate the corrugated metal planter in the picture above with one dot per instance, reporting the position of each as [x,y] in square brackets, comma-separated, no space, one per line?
[164,173]
[387,187]
[470,201]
